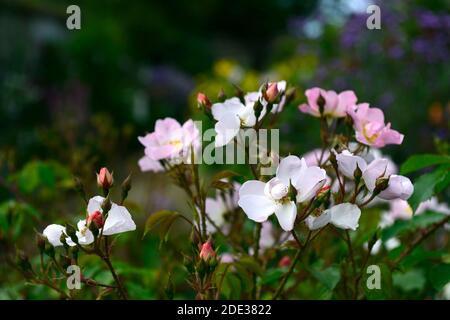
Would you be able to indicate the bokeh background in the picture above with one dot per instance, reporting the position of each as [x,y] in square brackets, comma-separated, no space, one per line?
[73,101]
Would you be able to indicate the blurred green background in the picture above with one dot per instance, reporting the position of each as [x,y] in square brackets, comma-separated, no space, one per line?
[72,101]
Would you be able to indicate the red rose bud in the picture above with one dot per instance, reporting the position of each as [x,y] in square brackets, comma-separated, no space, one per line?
[284,262]
[203,101]
[272,92]
[207,252]
[104,178]
[95,217]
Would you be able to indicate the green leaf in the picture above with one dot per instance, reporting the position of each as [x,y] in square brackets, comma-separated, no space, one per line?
[440,276]
[328,277]
[424,186]
[271,277]
[420,221]
[250,264]
[409,281]
[421,161]
[161,220]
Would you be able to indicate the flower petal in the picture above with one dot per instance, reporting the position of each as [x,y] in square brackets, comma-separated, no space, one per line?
[286,214]
[53,234]
[314,223]
[289,169]
[257,207]
[95,204]
[226,128]
[374,170]
[345,216]
[119,220]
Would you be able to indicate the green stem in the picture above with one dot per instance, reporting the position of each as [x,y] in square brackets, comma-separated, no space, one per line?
[292,266]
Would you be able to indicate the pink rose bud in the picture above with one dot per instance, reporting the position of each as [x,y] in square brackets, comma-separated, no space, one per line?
[271,92]
[97,218]
[284,262]
[203,100]
[207,252]
[104,178]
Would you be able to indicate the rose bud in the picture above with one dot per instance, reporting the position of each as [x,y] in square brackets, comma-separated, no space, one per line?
[203,101]
[284,262]
[207,252]
[272,92]
[95,217]
[105,179]
[399,187]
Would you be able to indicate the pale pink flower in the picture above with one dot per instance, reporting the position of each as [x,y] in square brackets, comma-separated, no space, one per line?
[370,127]
[335,105]
[170,141]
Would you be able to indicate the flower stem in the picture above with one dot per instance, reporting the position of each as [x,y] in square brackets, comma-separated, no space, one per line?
[255,256]
[107,260]
[292,266]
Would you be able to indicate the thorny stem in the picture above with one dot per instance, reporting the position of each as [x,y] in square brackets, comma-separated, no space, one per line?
[292,266]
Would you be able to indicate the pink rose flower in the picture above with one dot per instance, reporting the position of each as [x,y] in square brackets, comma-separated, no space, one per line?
[170,141]
[370,127]
[335,105]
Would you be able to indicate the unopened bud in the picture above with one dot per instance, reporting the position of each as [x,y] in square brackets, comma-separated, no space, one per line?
[97,218]
[271,93]
[105,179]
[203,101]
[207,252]
[284,262]
[126,187]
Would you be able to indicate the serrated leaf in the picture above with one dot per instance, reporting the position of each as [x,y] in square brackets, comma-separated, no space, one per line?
[421,161]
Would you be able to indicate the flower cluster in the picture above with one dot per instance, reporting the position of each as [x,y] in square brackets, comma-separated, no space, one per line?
[368,123]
